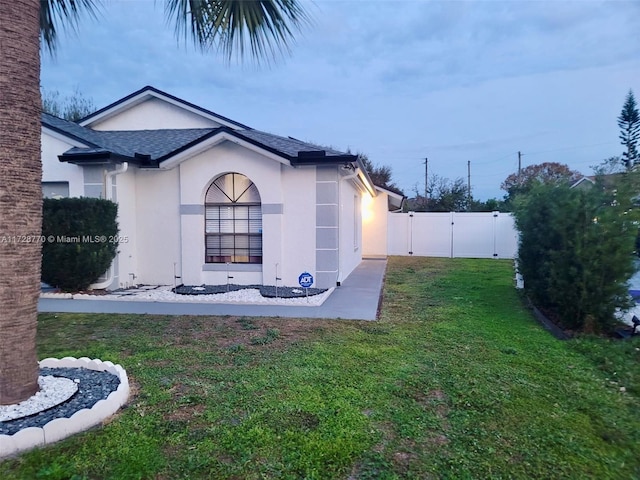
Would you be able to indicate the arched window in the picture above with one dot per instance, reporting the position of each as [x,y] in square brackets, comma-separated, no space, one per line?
[233,221]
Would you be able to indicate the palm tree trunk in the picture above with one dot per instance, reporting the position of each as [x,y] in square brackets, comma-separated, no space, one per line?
[20,197]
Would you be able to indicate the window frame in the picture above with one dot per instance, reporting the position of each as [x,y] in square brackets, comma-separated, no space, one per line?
[233,224]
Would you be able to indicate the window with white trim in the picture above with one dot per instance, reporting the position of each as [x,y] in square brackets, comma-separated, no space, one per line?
[233,221]
[55,189]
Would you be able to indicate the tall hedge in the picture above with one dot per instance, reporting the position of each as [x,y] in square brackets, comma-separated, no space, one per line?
[80,241]
[576,250]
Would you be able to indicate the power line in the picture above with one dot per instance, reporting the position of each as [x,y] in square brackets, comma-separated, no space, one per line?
[493,160]
[570,148]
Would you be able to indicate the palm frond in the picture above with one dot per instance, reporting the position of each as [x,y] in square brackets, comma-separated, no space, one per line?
[263,27]
[62,12]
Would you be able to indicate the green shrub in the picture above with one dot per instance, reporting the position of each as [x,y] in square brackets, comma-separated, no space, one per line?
[80,241]
[576,251]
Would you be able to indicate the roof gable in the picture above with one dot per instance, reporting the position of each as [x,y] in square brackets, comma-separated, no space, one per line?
[111,117]
[168,147]
[584,181]
[395,200]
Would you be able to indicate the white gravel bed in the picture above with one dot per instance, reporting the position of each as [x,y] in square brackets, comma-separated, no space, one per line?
[247,296]
[53,391]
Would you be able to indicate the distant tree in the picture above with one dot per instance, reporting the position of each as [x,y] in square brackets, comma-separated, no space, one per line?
[490,205]
[443,195]
[629,123]
[609,166]
[547,172]
[380,175]
[72,107]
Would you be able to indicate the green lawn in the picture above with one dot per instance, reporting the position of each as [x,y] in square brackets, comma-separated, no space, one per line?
[455,381]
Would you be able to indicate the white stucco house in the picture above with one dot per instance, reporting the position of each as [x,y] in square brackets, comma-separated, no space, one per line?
[202,198]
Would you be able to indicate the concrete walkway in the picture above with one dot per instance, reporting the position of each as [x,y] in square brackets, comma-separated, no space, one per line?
[356,299]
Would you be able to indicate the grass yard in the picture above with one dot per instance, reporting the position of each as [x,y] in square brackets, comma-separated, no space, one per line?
[455,381]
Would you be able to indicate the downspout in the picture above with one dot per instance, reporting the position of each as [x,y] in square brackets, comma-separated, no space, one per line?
[108,176]
[180,242]
[108,194]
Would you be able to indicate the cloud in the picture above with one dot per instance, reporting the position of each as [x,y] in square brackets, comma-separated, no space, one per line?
[397,80]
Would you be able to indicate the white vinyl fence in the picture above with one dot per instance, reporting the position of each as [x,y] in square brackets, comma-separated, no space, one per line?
[469,235]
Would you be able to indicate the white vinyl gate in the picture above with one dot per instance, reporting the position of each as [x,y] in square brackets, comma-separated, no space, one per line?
[454,234]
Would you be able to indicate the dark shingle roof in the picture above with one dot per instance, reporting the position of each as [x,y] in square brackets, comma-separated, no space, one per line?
[159,145]
[70,129]
[288,145]
[155,143]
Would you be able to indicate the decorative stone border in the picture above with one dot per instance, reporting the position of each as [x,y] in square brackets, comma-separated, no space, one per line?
[56,295]
[80,421]
[242,296]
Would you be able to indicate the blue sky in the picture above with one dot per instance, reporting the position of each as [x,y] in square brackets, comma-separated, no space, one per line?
[453,81]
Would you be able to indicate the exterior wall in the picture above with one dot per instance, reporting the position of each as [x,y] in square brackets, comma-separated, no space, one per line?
[54,170]
[350,229]
[157,228]
[196,175]
[154,114]
[124,194]
[327,226]
[304,209]
[299,235]
[375,225]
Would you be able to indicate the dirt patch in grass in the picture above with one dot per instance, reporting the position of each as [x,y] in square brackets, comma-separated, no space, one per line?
[438,440]
[387,430]
[185,413]
[299,420]
[225,332]
[402,460]
[436,401]
[159,363]
[134,390]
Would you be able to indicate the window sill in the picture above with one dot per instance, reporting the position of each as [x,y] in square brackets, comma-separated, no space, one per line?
[232,267]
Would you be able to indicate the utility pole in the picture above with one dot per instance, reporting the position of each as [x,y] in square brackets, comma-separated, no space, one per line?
[519,164]
[426,179]
[468,184]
